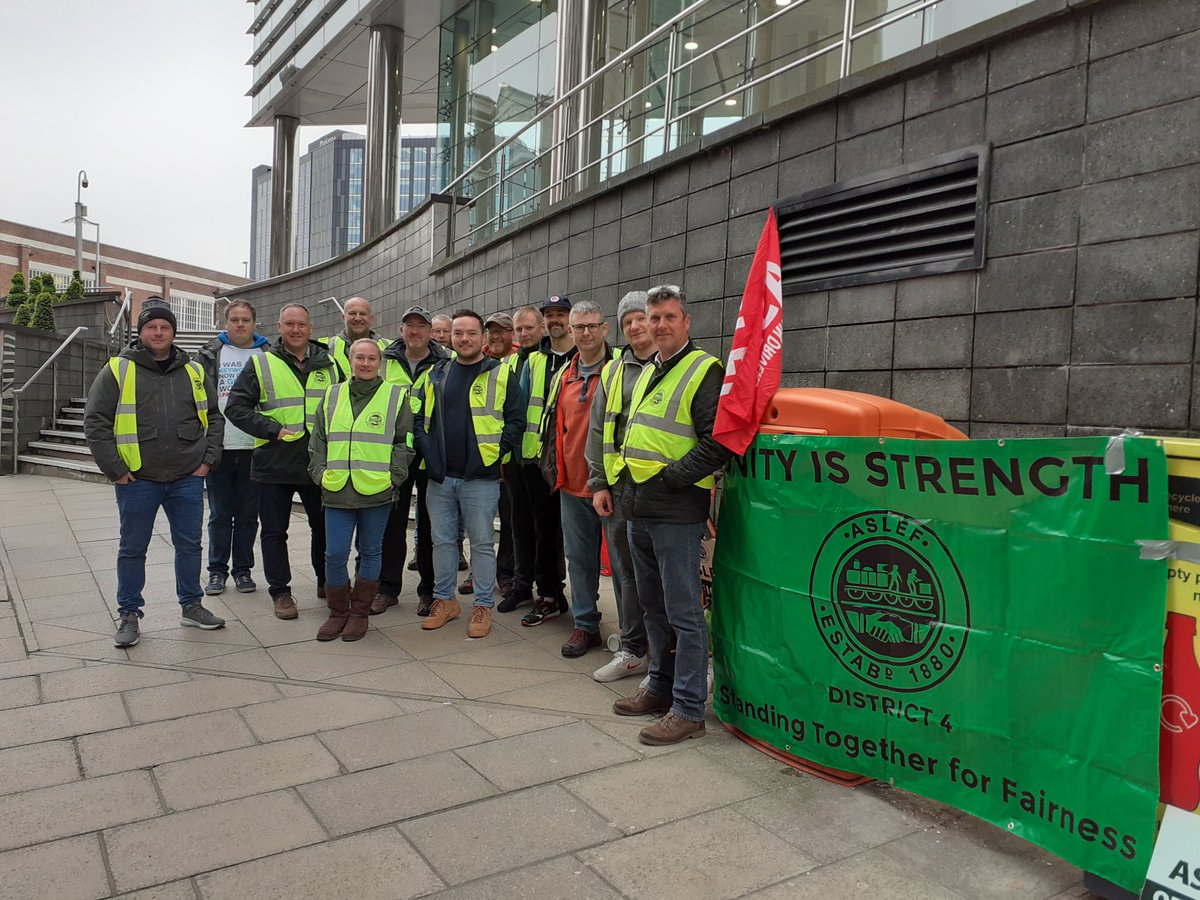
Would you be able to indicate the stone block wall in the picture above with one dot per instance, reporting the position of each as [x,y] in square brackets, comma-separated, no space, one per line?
[1083,317]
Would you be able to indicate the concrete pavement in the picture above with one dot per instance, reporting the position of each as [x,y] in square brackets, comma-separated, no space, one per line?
[255,762]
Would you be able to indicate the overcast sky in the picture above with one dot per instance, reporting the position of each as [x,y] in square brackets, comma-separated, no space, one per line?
[149,97]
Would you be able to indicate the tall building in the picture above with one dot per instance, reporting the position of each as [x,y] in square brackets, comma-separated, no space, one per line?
[260,223]
[987,208]
[329,197]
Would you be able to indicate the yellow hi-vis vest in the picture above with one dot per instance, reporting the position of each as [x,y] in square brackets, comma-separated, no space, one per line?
[339,352]
[531,441]
[125,421]
[661,429]
[487,394]
[397,373]
[283,399]
[612,376]
[359,448]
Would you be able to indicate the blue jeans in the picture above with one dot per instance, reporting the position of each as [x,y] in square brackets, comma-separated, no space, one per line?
[340,525]
[232,514]
[470,505]
[666,564]
[629,606]
[138,503]
[581,532]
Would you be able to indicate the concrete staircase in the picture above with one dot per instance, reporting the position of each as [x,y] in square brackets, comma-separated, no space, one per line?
[61,449]
[191,341]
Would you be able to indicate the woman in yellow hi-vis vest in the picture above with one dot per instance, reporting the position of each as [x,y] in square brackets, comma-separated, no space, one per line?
[359,452]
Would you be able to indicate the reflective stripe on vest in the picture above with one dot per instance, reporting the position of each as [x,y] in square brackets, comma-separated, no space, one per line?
[661,429]
[125,429]
[283,400]
[612,376]
[339,352]
[359,448]
[487,394]
[531,441]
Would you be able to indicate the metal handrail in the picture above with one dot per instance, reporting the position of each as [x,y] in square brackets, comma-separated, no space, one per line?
[495,178]
[15,393]
[122,313]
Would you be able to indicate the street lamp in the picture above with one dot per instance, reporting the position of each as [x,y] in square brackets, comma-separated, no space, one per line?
[80,212]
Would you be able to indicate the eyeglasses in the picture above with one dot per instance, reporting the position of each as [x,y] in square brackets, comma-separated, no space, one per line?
[591,327]
[664,290]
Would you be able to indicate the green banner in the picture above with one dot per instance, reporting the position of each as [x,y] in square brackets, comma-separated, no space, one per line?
[970,620]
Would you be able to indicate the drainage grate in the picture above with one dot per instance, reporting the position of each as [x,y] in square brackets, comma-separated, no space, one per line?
[920,219]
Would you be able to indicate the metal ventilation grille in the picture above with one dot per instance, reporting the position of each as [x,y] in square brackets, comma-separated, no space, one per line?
[919,219]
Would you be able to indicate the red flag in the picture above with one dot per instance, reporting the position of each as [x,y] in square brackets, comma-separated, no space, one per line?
[756,359]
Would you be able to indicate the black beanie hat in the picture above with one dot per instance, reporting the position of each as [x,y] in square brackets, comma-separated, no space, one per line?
[156,311]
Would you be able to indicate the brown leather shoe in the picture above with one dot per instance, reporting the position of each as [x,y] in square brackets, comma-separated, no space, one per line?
[670,729]
[360,607]
[381,603]
[642,703]
[285,607]
[481,622]
[339,608]
[440,613]
[579,642]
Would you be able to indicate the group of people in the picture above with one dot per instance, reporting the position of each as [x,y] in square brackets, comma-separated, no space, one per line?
[536,419]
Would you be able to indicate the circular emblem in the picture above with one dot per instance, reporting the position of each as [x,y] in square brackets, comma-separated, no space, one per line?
[375,420]
[319,374]
[889,601]
[477,390]
[657,398]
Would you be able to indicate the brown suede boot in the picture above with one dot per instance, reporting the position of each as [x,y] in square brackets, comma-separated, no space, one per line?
[360,607]
[338,600]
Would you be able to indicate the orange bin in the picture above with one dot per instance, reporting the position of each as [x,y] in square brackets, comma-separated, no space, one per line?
[843,413]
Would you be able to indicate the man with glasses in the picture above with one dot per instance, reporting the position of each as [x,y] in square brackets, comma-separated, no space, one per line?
[565,432]
[670,456]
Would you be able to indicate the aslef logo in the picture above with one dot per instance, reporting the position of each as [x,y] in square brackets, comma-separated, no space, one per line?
[889,601]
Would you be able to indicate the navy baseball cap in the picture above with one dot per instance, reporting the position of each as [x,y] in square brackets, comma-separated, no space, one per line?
[557,303]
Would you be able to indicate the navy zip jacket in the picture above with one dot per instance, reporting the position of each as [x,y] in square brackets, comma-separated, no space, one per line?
[431,445]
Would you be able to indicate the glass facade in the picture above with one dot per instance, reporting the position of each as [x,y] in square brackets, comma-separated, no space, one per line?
[728,60]
[418,173]
[303,200]
[260,224]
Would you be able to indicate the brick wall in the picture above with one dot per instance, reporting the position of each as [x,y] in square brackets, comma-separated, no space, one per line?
[1084,316]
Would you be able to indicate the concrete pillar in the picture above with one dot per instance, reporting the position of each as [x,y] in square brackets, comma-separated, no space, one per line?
[575,61]
[283,180]
[384,73]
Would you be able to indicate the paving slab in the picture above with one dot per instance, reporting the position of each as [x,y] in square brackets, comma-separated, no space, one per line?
[504,722]
[45,814]
[202,693]
[647,793]
[317,712]
[871,873]
[67,718]
[506,832]
[392,740]
[71,869]
[713,856]
[143,746]
[15,692]
[200,840]
[476,682]
[540,756]
[565,876]
[260,769]
[377,865]
[395,793]
[37,765]
[406,678]
[104,679]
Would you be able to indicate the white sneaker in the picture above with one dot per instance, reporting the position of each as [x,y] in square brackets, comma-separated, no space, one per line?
[623,665]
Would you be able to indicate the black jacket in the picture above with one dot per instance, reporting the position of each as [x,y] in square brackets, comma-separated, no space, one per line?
[672,495]
[431,446]
[209,355]
[395,351]
[172,442]
[279,462]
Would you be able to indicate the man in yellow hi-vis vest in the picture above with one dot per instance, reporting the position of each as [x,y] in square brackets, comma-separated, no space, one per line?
[275,400]
[469,416]
[670,456]
[154,428]
[358,318]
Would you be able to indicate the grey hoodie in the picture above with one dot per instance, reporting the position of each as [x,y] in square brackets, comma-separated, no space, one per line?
[173,443]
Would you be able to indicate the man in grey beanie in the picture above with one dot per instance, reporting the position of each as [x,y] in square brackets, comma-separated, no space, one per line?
[618,377]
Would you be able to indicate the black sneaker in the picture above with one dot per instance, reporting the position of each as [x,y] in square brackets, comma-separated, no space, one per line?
[512,600]
[544,609]
[412,564]
[245,584]
[216,585]
[196,616]
[468,586]
[462,560]
[128,632]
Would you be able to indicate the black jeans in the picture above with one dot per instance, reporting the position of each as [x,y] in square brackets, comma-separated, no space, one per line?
[537,533]
[395,544]
[232,514]
[274,512]
[506,559]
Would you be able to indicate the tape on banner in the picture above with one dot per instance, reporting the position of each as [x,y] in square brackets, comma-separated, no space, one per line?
[1114,453]
[1187,551]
